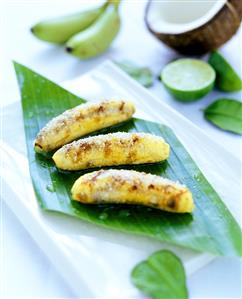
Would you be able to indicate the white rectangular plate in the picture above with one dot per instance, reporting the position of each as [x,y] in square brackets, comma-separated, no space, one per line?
[93,260]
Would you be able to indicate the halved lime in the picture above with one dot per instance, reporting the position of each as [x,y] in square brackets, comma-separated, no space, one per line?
[226,77]
[188,79]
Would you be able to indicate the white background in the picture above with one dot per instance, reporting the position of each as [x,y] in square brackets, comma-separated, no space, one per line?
[26,272]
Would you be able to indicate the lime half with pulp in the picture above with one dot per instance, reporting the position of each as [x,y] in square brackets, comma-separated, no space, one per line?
[188,79]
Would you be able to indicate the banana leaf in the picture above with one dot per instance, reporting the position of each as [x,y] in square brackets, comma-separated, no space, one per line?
[210,228]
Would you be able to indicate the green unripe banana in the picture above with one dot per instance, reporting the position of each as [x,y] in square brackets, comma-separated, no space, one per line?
[97,38]
[59,30]
[114,2]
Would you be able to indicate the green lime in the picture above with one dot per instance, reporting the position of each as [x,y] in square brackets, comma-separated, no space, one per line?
[226,77]
[188,79]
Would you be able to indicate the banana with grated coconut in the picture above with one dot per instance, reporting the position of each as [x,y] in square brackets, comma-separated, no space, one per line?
[82,120]
[132,187]
[111,149]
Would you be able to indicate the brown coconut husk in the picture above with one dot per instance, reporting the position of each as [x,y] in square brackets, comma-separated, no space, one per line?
[207,37]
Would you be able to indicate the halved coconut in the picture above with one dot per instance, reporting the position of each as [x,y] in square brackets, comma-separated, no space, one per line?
[193,27]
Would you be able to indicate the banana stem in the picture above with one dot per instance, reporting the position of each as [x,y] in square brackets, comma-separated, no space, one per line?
[114,2]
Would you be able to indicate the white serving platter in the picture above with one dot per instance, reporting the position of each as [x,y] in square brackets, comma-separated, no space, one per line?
[94,261]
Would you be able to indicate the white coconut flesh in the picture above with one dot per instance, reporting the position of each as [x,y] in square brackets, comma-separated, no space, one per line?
[180,16]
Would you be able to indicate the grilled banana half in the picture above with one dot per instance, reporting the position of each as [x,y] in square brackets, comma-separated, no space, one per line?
[111,149]
[81,120]
[132,187]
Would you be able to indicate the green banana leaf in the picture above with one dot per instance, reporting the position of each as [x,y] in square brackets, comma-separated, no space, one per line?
[209,228]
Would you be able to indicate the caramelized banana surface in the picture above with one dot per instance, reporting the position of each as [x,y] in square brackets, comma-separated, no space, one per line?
[111,149]
[132,187]
[82,120]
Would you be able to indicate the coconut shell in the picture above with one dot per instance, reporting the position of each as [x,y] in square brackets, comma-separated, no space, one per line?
[207,37]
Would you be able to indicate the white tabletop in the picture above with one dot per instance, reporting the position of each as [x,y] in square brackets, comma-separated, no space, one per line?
[26,271]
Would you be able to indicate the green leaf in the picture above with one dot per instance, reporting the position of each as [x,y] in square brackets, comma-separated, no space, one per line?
[225,114]
[210,228]
[226,77]
[161,276]
[141,74]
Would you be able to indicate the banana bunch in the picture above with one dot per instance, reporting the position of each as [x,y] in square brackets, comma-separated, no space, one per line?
[85,34]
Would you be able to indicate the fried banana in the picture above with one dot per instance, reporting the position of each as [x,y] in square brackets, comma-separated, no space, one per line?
[81,120]
[111,149]
[132,187]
